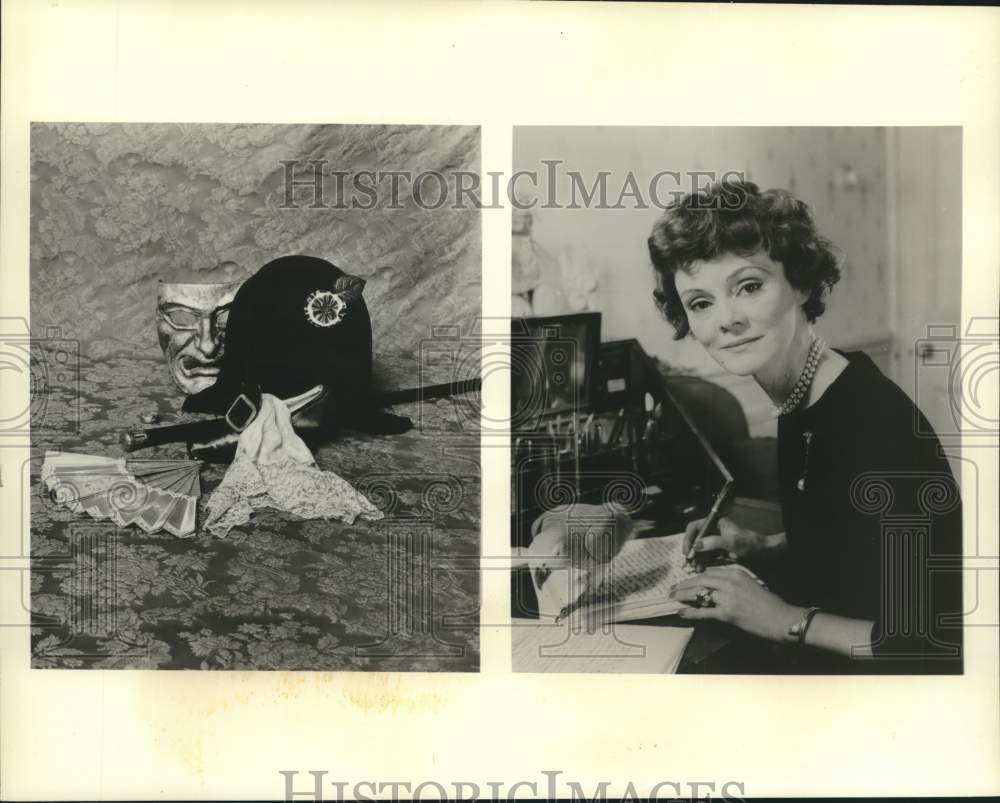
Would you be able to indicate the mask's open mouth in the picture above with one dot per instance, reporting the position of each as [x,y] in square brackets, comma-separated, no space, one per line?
[192,366]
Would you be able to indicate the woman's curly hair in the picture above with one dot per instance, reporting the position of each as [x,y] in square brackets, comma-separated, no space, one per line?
[736,217]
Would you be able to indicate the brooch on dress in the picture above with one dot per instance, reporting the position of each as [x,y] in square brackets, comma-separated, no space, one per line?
[807,436]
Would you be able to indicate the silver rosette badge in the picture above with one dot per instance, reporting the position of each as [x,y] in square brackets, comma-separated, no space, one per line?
[325,308]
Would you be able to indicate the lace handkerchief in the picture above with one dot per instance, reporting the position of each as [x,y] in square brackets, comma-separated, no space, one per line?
[274,468]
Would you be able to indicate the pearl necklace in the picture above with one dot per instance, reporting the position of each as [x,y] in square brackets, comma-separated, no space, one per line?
[801,387]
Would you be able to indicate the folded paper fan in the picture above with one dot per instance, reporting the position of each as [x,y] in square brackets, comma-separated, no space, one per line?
[152,494]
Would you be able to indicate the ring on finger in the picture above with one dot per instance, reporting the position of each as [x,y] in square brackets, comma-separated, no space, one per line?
[706,598]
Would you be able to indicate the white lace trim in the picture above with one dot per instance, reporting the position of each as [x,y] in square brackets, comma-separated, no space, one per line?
[274,468]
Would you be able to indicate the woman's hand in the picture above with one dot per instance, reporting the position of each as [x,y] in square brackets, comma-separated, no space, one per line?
[738,542]
[734,595]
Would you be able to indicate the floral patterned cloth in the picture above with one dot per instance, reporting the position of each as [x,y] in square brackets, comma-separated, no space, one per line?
[279,592]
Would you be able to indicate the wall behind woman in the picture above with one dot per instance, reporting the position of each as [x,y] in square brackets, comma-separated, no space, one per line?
[117,207]
[843,174]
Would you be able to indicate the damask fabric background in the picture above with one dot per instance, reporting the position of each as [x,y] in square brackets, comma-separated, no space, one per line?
[400,594]
[117,208]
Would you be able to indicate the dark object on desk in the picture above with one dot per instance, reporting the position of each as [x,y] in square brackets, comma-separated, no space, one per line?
[720,418]
[553,367]
[715,411]
[633,444]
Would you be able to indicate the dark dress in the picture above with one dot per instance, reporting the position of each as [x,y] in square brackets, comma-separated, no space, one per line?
[873,517]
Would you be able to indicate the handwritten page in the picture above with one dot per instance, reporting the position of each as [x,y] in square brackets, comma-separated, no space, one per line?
[540,647]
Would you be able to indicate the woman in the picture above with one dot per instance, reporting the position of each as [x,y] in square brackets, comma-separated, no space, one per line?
[859,581]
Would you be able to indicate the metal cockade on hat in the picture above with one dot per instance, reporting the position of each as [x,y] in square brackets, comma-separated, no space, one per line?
[325,309]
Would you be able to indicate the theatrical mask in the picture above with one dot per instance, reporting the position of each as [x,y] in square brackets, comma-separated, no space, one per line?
[191,324]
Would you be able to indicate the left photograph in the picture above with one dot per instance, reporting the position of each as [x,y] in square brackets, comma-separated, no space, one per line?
[255,397]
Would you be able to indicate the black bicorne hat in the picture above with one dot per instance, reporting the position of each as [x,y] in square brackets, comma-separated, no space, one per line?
[298,322]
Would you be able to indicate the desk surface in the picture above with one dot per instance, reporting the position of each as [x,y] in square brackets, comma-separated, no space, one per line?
[714,648]
[700,654]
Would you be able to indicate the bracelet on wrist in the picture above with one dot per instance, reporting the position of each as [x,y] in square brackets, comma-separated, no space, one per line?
[798,630]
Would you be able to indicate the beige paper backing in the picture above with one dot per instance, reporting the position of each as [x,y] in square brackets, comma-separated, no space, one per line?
[131,734]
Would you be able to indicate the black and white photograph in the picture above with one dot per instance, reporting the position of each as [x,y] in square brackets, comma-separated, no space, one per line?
[247,446]
[503,400]
[751,464]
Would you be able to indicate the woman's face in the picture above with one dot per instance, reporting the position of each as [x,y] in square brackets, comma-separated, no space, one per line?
[742,310]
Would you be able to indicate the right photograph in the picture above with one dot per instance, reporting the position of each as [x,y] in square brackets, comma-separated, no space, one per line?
[737,399]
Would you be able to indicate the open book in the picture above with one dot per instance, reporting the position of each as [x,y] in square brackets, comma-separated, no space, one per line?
[634,585]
